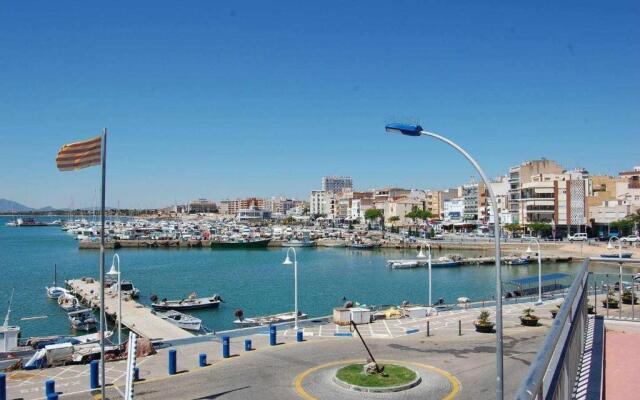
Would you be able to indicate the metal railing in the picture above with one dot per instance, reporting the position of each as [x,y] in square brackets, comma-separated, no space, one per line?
[553,373]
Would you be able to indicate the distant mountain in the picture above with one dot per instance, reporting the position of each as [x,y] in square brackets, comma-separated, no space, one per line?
[10,205]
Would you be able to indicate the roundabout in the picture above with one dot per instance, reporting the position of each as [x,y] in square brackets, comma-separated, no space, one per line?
[344,379]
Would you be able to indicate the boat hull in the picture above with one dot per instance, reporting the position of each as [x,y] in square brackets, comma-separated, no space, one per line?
[254,244]
[178,307]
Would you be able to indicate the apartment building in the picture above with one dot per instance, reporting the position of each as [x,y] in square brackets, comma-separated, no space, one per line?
[521,174]
[202,206]
[336,183]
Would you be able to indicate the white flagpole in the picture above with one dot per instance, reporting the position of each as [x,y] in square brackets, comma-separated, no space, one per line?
[102,310]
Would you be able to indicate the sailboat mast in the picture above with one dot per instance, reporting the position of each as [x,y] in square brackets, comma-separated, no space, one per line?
[55,275]
[6,318]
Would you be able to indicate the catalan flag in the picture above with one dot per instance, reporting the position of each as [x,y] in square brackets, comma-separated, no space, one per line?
[80,155]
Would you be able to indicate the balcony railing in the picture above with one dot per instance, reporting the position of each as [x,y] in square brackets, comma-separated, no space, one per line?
[554,371]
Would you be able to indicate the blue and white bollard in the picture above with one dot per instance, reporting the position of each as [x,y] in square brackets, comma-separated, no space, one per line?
[247,345]
[3,387]
[93,374]
[299,336]
[173,362]
[136,374]
[202,360]
[225,347]
[49,387]
[272,335]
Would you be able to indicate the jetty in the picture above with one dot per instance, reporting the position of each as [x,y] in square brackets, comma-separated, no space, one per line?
[135,316]
[415,263]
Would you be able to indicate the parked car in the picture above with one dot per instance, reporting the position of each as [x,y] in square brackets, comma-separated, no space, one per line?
[578,237]
[438,236]
[630,239]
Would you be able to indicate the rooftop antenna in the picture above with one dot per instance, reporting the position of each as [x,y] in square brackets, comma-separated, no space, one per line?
[6,318]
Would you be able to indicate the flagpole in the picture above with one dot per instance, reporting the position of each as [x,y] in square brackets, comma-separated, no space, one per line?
[102,309]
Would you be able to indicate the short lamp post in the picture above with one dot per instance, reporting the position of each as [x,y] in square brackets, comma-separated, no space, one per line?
[416,130]
[621,286]
[529,251]
[116,271]
[422,256]
[287,261]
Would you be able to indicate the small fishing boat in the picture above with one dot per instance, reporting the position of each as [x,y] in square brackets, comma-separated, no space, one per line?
[444,262]
[306,242]
[82,320]
[54,292]
[184,321]
[623,255]
[126,289]
[402,264]
[68,302]
[266,319]
[190,303]
[361,246]
[519,261]
[240,244]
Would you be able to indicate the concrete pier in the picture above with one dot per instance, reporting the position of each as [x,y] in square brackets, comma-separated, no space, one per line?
[135,316]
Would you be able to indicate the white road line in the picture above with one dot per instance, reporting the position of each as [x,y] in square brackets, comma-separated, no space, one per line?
[387,326]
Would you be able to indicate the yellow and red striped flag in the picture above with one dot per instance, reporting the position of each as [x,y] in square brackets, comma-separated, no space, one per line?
[80,155]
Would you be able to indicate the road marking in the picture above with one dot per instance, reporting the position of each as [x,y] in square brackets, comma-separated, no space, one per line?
[387,326]
[455,384]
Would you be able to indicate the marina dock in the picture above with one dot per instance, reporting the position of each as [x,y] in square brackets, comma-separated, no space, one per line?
[414,263]
[135,316]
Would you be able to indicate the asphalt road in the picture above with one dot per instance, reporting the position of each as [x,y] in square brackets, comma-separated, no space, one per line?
[271,373]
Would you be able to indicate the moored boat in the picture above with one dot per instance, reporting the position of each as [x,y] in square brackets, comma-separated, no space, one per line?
[623,255]
[68,302]
[299,243]
[190,303]
[267,319]
[240,244]
[82,320]
[184,321]
[444,262]
[54,292]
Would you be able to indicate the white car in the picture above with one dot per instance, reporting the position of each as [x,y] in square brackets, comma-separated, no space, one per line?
[578,237]
[630,239]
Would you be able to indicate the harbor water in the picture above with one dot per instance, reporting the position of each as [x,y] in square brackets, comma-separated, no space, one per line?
[254,280]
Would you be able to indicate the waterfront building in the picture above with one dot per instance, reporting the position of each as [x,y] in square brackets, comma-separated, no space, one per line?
[559,199]
[607,212]
[628,187]
[453,209]
[471,200]
[522,174]
[436,198]
[253,215]
[400,208]
[322,203]
[336,183]
[202,206]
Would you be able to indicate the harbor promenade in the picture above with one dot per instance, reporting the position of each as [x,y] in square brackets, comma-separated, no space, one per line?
[460,363]
[135,316]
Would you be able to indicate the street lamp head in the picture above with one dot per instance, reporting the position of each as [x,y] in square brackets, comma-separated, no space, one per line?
[529,251]
[421,254]
[287,261]
[404,129]
[610,246]
[113,270]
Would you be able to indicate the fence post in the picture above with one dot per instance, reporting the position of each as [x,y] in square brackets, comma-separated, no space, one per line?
[272,335]
[3,387]
[49,387]
[173,362]
[94,382]
[225,347]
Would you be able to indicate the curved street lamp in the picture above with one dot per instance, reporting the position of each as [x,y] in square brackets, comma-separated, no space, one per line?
[421,255]
[529,251]
[287,261]
[416,130]
[116,271]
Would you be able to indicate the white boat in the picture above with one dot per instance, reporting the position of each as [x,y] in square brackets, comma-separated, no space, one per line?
[68,302]
[267,319]
[82,320]
[126,289]
[54,292]
[299,243]
[184,321]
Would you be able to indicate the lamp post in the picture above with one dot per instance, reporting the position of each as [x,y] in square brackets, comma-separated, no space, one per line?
[416,130]
[287,261]
[529,251]
[621,286]
[116,271]
[421,255]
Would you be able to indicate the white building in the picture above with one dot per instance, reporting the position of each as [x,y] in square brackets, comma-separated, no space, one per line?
[250,215]
[336,183]
[454,209]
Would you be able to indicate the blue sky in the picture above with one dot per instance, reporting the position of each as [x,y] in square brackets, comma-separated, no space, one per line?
[226,99]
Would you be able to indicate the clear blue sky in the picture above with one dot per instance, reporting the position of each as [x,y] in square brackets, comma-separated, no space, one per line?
[223,99]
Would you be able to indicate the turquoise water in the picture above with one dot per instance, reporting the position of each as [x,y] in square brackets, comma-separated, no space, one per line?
[254,280]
